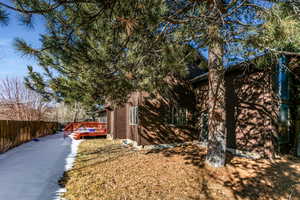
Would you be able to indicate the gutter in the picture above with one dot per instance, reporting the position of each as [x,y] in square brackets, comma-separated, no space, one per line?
[204,77]
[230,68]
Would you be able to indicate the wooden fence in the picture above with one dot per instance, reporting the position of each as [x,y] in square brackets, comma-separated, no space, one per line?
[14,133]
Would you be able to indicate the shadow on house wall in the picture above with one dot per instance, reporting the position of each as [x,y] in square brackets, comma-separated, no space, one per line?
[252,109]
[251,105]
[256,112]
[156,125]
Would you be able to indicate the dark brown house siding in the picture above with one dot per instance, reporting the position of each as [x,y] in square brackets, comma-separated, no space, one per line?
[110,122]
[118,120]
[135,99]
[251,106]
[252,118]
[155,124]
[120,123]
[155,129]
[251,103]
[152,127]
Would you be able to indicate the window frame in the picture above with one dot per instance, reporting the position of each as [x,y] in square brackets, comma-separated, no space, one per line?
[177,116]
[133,115]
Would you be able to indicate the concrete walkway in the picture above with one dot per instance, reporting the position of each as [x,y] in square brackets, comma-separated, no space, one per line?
[31,171]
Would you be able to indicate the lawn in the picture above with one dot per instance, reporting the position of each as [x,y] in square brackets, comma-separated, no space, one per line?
[106,170]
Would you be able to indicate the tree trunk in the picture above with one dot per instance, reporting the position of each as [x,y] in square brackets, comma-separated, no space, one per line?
[75,117]
[298,144]
[216,152]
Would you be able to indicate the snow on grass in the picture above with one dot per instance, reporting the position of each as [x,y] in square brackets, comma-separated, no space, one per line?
[72,156]
[31,171]
[69,163]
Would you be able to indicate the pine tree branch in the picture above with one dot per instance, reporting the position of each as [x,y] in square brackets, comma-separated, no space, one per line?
[46,10]
[285,52]
[41,11]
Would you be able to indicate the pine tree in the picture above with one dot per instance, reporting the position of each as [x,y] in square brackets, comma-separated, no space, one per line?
[97,51]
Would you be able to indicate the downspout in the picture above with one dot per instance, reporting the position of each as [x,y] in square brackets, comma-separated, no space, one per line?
[139,128]
[284,100]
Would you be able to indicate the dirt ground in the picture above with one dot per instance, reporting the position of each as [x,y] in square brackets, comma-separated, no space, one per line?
[106,170]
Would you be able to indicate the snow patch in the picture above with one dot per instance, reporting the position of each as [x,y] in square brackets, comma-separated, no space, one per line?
[69,162]
[72,156]
[59,192]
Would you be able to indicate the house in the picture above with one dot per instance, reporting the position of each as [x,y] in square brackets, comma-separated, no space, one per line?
[148,119]
[262,103]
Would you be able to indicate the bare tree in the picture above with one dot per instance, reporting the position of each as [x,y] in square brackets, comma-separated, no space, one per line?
[65,113]
[20,103]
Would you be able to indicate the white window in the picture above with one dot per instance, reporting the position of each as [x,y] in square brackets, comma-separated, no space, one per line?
[177,116]
[133,115]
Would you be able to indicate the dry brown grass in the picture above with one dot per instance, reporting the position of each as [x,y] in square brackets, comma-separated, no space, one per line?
[105,170]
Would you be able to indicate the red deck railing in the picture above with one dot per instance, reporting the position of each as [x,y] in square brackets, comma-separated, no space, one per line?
[82,129]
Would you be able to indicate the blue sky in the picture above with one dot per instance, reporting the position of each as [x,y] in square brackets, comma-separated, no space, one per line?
[12,63]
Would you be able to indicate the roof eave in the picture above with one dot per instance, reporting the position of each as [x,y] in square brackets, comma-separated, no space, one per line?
[199,78]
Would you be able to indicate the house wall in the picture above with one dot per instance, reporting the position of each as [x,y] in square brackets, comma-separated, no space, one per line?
[110,121]
[133,130]
[252,109]
[120,123]
[154,128]
[118,120]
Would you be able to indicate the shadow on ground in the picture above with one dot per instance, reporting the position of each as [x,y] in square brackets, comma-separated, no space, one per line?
[243,178]
[110,170]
